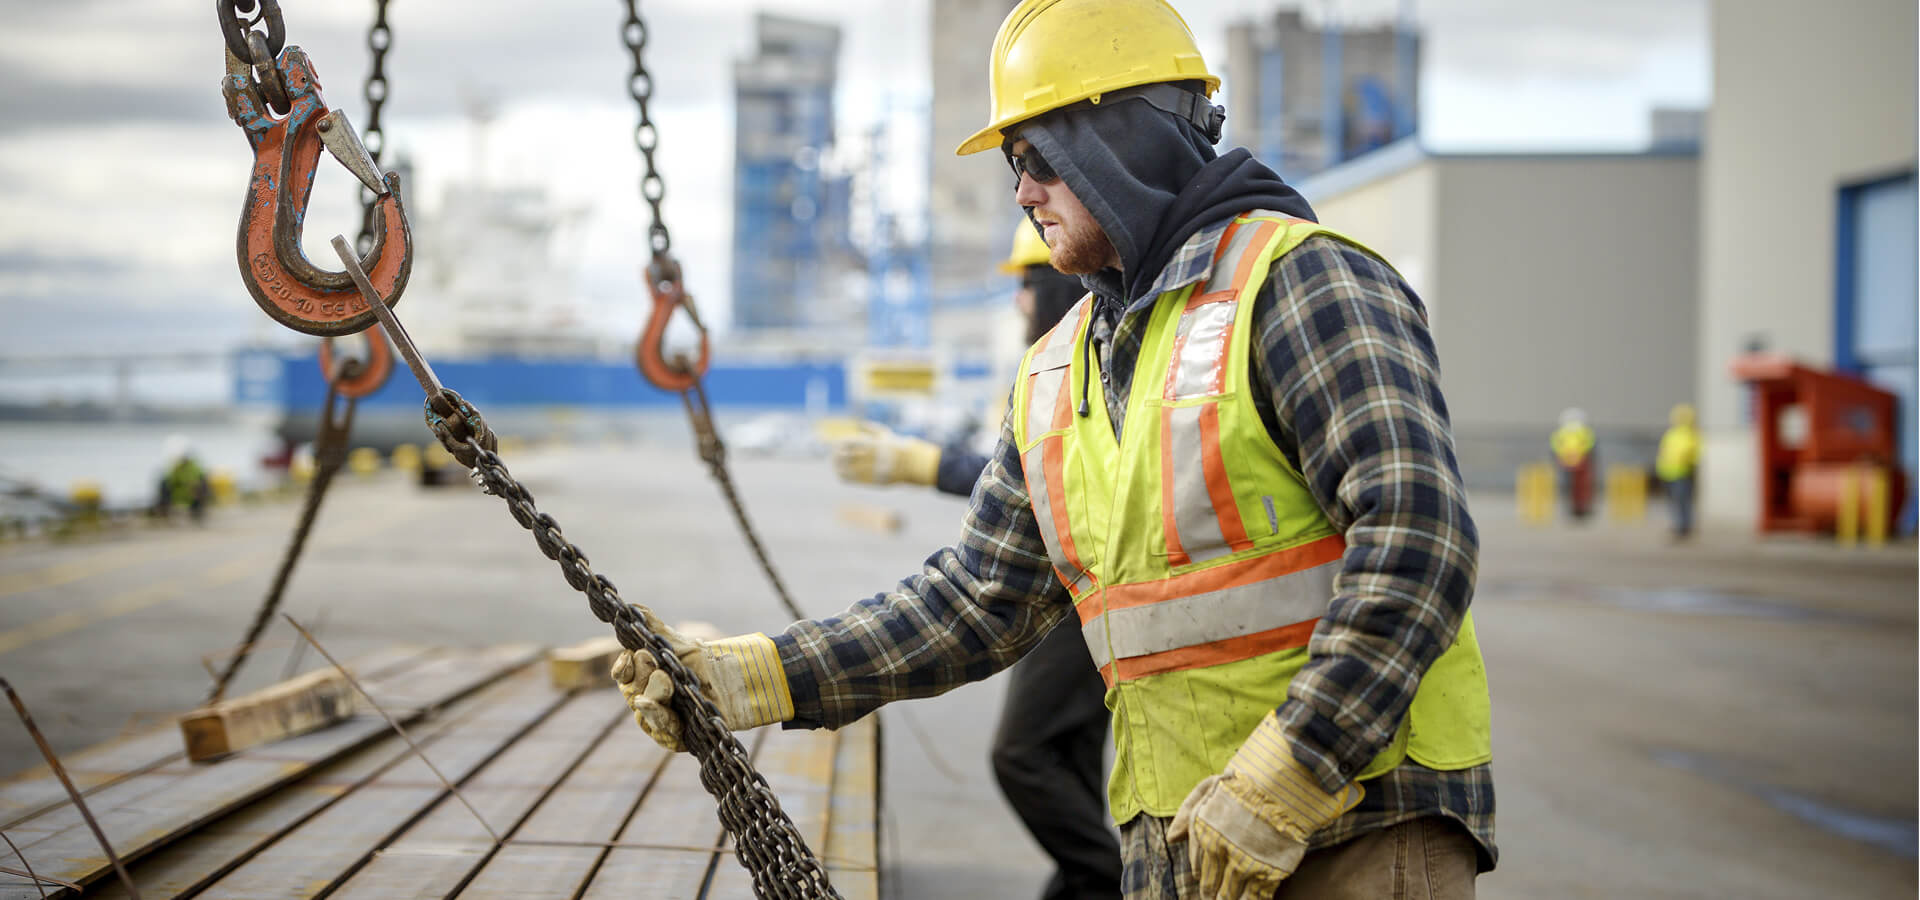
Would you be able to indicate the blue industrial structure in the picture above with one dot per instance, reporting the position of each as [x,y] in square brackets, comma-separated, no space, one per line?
[292,382]
[899,308]
[789,211]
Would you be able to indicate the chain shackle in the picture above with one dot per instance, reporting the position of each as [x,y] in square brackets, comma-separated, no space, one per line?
[379,39]
[646,137]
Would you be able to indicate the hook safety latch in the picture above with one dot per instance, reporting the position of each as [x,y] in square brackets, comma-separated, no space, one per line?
[286,152]
[678,375]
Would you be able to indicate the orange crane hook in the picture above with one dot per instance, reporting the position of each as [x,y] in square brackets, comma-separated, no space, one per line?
[678,375]
[286,151]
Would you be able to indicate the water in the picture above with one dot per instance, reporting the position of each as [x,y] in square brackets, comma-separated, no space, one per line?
[125,459]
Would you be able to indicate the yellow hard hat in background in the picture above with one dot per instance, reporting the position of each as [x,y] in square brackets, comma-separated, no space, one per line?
[1028,250]
[1681,415]
[1054,53]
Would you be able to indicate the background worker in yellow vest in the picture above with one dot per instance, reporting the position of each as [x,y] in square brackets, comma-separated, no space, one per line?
[1053,724]
[1572,445]
[1233,466]
[1676,462]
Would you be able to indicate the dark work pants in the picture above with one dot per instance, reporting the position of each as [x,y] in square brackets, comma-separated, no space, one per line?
[1047,758]
[1680,495]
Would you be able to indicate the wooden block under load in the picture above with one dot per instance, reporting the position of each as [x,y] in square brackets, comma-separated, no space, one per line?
[583,666]
[296,706]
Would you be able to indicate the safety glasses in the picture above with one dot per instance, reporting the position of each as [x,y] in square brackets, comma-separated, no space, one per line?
[1029,163]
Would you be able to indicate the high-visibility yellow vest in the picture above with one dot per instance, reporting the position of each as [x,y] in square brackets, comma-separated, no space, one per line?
[1679,451]
[1571,443]
[1198,561]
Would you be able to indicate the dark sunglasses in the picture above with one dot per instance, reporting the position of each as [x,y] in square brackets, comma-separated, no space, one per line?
[1029,163]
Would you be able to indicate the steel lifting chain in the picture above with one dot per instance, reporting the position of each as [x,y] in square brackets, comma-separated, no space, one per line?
[765,839]
[379,39]
[646,137]
[653,189]
[329,454]
[714,454]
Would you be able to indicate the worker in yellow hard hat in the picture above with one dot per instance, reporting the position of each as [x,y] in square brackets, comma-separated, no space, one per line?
[1047,749]
[1676,462]
[1231,468]
[1572,443]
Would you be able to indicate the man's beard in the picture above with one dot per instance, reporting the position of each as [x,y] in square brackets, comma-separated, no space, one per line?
[1081,250]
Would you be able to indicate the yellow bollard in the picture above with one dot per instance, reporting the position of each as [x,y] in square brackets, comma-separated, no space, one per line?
[1626,494]
[1876,507]
[364,461]
[406,458]
[221,484]
[1533,490]
[300,471]
[85,494]
[1846,523]
[437,456]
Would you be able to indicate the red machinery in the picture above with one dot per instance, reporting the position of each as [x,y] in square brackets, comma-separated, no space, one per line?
[1821,434]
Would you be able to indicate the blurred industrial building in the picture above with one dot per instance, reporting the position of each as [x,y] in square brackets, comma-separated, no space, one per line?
[1550,280]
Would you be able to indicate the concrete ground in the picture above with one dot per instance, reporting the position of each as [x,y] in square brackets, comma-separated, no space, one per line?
[1723,718]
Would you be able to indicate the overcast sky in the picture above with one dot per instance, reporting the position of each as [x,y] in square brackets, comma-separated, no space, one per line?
[122,176]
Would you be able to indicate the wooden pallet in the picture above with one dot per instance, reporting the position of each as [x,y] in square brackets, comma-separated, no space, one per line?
[585,805]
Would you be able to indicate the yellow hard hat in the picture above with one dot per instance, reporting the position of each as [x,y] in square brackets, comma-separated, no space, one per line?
[1028,250]
[1681,416]
[1054,53]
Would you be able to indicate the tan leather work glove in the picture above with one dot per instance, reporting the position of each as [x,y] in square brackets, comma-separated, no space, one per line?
[741,675]
[879,456]
[1247,828]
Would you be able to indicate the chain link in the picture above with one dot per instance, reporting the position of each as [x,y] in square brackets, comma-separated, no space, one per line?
[379,39]
[329,454]
[765,838]
[646,137]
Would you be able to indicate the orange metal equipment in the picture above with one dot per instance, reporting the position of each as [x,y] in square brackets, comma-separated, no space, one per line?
[1819,433]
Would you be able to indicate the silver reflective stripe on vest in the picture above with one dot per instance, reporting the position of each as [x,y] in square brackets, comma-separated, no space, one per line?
[1043,394]
[1228,263]
[1058,352]
[1202,351]
[1212,616]
[1193,513]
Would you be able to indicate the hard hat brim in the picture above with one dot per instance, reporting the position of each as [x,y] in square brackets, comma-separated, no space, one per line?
[995,134]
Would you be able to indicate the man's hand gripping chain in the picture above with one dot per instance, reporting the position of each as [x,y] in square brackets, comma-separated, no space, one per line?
[741,675]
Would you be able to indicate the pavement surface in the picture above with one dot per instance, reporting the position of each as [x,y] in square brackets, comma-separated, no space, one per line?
[1725,717]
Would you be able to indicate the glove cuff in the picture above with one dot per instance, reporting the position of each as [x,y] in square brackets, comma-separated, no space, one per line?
[759,694]
[1264,774]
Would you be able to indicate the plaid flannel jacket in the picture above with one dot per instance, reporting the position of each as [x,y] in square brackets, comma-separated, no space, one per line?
[1353,400]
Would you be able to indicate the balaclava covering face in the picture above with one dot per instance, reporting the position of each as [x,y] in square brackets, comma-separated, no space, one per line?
[1150,180]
